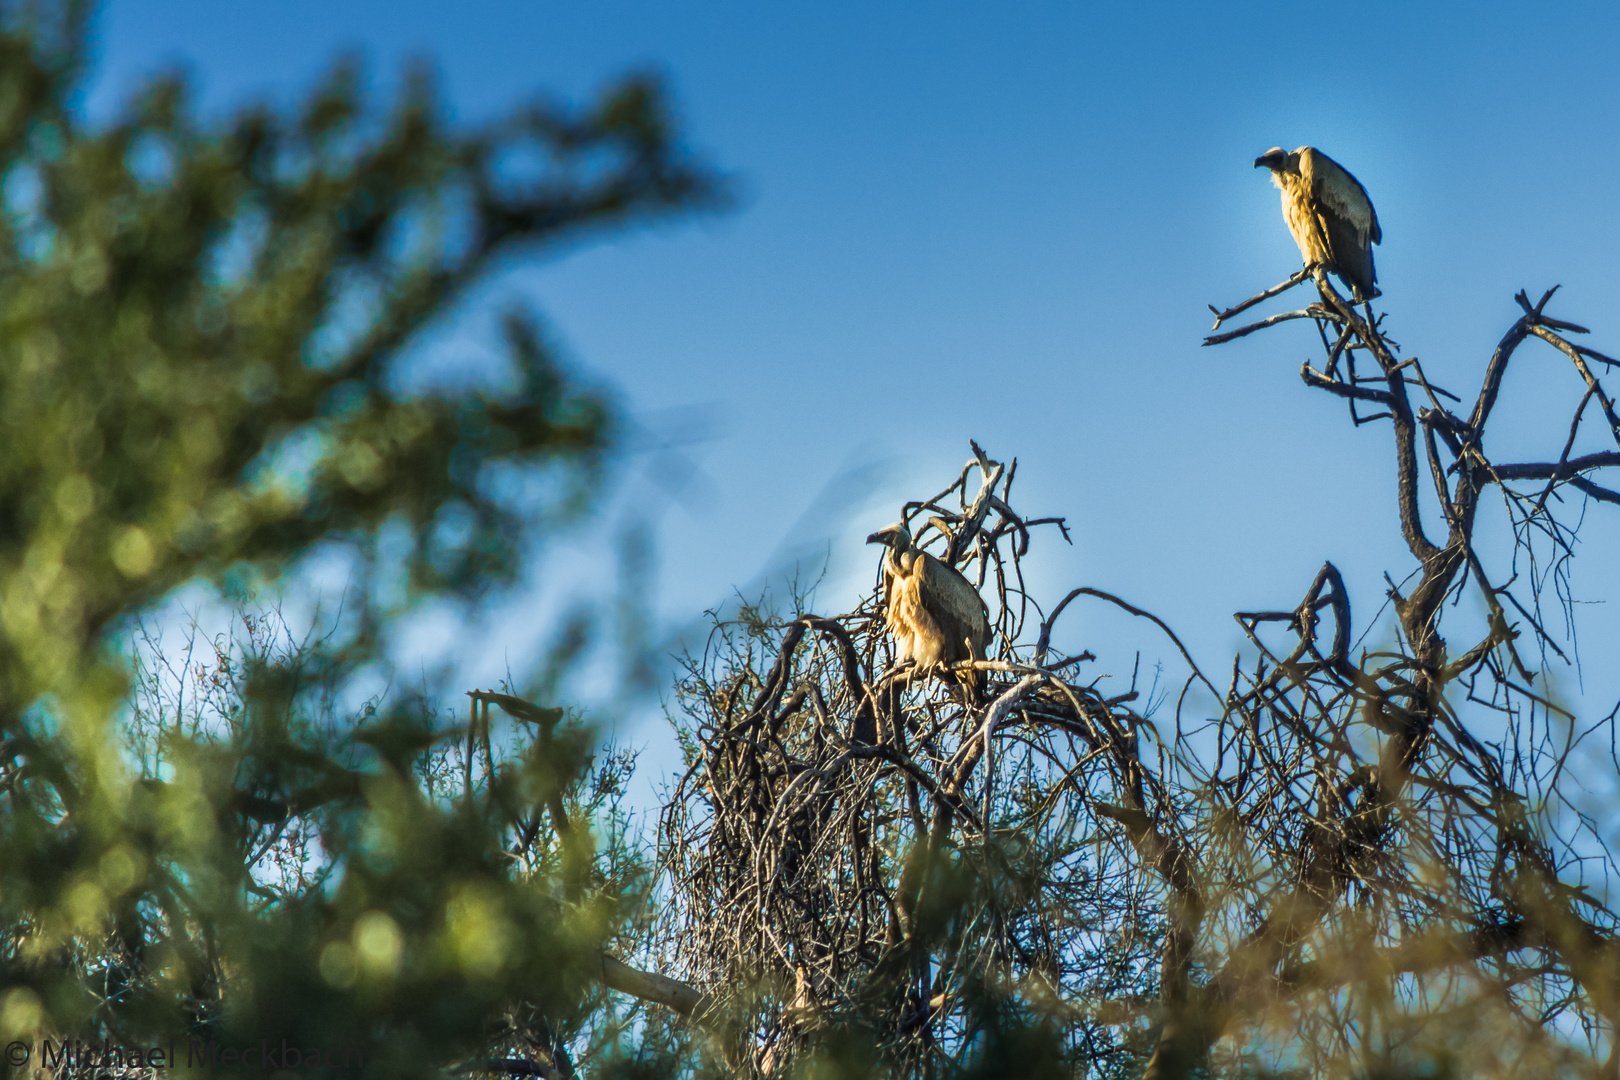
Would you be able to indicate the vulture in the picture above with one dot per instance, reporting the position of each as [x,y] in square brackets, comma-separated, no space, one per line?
[935,615]
[1328,212]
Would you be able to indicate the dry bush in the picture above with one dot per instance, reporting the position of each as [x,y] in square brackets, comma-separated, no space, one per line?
[1336,861]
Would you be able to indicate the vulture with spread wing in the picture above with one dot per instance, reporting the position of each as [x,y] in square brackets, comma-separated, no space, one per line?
[1329,213]
[935,615]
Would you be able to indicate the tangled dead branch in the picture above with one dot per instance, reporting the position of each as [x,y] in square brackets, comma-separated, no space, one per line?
[835,811]
[1338,862]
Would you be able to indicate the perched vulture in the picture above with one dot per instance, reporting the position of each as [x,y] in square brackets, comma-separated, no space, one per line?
[935,615]
[1328,212]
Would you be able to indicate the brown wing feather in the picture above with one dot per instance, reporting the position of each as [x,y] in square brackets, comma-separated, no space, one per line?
[1352,259]
[1336,190]
[957,609]
[1348,221]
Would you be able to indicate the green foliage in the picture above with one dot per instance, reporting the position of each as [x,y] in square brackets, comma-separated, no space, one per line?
[207,332]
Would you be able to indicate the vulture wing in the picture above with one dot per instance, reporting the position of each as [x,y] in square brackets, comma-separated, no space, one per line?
[957,609]
[1347,216]
[1340,193]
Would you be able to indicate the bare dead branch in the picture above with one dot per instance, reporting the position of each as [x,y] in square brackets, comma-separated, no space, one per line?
[1258,298]
[651,986]
[1312,312]
[1315,378]
[1329,835]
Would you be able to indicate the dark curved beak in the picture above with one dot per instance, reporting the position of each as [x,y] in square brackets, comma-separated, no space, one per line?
[1259,161]
[877,538]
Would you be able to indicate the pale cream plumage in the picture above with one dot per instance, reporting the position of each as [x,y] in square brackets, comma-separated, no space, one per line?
[1329,214]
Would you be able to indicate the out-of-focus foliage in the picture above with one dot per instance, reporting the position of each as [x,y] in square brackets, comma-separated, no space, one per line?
[427,912]
[205,330]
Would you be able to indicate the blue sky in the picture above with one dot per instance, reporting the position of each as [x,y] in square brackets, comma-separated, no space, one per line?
[1004,222]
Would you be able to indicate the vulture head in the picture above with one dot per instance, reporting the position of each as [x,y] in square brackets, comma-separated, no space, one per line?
[1275,159]
[902,553]
[895,536]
